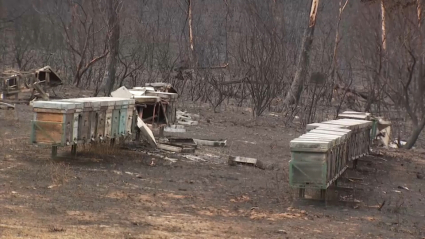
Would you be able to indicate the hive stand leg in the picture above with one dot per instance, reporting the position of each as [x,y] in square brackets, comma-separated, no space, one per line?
[301,193]
[161,131]
[355,163]
[54,151]
[74,150]
[323,194]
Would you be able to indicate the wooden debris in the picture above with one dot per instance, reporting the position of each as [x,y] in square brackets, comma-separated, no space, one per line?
[182,142]
[170,148]
[146,132]
[187,122]
[7,105]
[208,142]
[233,161]
[381,205]
[175,129]
[403,187]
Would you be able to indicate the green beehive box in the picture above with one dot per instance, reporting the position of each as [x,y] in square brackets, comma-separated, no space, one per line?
[310,163]
[123,119]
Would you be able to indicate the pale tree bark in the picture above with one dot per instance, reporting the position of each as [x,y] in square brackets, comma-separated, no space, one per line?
[113,9]
[383,27]
[191,44]
[337,37]
[420,82]
[294,92]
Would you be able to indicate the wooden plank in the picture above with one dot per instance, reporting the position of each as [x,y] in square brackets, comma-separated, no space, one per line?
[49,132]
[169,148]
[49,117]
[246,161]
[43,110]
[213,143]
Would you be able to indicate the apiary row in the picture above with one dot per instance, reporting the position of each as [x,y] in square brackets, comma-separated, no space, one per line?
[81,120]
[324,152]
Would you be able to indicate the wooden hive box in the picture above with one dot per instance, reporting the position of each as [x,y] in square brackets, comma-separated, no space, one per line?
[131,116]
[93,122]
[317,159]
[84,122]
[102,116]
[332,163]
[110,112]
[55,123]
[341,149]
[116,118]
[107,107]
[360,139]
[309,164]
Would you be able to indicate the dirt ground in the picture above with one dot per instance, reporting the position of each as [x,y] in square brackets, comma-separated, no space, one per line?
[117,193]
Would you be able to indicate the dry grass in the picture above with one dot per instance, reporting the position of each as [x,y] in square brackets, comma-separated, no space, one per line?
[60,173]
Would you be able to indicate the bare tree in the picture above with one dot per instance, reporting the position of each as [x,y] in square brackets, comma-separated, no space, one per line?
[80,36]
[294,93]
[113,9]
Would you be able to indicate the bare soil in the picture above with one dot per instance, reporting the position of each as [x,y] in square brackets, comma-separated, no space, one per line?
[117,193]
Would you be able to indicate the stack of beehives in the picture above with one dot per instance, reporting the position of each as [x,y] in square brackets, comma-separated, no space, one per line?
[321,155]
[82,120]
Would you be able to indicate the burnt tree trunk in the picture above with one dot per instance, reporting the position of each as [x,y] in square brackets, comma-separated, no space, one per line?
[294,93]
[113,44]
[415,134]
[418,127]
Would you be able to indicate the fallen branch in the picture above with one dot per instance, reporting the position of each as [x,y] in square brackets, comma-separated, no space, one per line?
[352,91]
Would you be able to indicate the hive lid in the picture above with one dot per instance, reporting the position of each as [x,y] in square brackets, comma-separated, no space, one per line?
[324,137]
[355,115]
[106,101]
[342,135]
[333,128]
[343,124]
[307,145]
[360,123]
[316,125]
[147,99]
[60,105]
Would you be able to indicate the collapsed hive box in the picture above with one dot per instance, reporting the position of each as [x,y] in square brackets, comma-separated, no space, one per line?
[55,122]
[169,101]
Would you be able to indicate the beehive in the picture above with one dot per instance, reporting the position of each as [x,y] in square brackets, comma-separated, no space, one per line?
[55,122]
[361,135]
[96,118]
[317,159]
[310,160]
